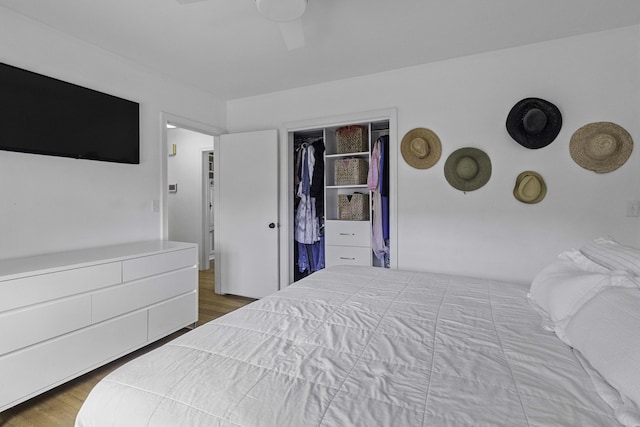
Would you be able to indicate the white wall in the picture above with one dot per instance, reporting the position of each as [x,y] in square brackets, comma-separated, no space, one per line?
[466,101]
[185,206]
[52,203]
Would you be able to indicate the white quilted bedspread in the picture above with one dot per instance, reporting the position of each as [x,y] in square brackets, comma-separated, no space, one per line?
[359,346]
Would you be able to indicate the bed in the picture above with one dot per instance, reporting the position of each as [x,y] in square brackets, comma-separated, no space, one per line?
[365,346]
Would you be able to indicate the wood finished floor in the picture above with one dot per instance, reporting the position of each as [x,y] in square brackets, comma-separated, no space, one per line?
[58,407]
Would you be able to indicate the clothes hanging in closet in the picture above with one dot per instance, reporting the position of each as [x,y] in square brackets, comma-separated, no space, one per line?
[317,179]
[311,257]
[378,183]
[309,224]
[384,185]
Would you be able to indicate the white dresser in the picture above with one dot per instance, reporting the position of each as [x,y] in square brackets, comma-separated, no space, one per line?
[64,314]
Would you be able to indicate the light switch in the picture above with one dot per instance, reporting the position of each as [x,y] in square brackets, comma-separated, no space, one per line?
[633,208]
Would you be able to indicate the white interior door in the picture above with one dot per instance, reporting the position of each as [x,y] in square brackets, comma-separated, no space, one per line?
[246,237]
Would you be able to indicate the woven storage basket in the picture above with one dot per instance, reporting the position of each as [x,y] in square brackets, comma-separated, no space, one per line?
[351,172]
[351,139]
[353,207]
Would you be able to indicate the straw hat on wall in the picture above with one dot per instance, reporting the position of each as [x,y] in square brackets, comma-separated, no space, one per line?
[421,148]
[601,147]
[467,169]
[530,187]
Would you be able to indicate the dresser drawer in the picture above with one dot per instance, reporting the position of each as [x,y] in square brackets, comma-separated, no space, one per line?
[142,293]
[34,369]
[172,315]
[44,287]
[347,255]
[137,268]
[26,326]
[348,233]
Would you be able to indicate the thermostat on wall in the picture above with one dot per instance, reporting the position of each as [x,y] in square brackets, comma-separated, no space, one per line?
[173,188]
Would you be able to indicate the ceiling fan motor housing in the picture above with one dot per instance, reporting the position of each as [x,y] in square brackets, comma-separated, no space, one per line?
[281,10]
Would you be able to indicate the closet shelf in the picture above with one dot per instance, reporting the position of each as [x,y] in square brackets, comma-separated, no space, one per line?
[347,186]
[358,154]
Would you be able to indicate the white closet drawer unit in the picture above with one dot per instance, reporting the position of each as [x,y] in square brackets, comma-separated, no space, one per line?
[172,315]
[348,233]
[140,293]
[39,288]
[26,326]
[138,268]
[347,255]
[35,369]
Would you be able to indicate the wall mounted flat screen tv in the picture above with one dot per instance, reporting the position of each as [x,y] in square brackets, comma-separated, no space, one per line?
[43,115]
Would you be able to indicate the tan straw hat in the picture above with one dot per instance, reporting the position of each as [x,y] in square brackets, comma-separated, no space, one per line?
[601,146]
[421,148]
[530,187]
[467,169]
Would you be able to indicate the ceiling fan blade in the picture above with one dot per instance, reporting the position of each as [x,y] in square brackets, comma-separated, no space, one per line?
[292,33]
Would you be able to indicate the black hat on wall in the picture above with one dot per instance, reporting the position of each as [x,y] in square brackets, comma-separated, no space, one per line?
[534,123]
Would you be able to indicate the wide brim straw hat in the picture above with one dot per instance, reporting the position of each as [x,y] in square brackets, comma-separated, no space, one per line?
[530,187]
[467,169]
[421,148]
[601,147]
[534,123]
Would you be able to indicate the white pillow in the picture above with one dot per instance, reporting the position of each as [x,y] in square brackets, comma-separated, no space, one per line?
[626,410]
[561,288]
[581,261]
[612,255]
[606,331]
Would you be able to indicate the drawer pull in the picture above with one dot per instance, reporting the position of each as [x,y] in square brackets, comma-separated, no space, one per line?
[347,234]
[349,258]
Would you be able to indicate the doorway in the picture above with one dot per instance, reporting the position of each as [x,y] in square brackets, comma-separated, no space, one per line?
[186,193]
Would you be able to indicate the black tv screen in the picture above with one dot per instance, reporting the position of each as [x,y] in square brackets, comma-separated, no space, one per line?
[43,115]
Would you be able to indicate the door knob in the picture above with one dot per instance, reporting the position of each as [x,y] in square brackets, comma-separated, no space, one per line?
[272,225]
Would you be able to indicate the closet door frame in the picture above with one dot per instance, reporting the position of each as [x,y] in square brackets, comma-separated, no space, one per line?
[287,263]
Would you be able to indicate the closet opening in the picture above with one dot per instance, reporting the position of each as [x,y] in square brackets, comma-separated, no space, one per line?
[353,214]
